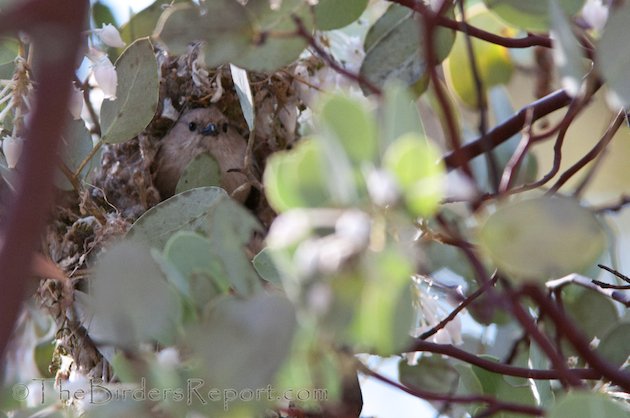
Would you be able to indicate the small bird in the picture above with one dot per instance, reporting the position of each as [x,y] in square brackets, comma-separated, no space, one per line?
[196,131]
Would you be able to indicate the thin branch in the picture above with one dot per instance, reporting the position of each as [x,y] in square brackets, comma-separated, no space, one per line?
[593,153]
[594,285]
[616,207]
[577,339]
[494,367]
[526,42]
[482,104]
[512,166]
[427,39]
[465,399]
[480,291]
[507,129]
[306,35]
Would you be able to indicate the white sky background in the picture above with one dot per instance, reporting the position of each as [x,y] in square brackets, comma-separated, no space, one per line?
[380,400]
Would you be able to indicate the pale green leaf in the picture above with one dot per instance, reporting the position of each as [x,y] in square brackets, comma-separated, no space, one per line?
[587,405]
[615,344]
[183,212]
[275,51]
[203,170]
[612,57]
[399,114]
[266,267]
[191,254]
[77,144]
[223,25]
[531,15]
[230,227]
[352,127]
[137,94]
[393,49]
[416,165]
[541,238]
[131,299]
[334,14]
[567,53]
[244,342]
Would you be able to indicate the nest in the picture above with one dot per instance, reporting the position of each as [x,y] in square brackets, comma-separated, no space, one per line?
[122,188]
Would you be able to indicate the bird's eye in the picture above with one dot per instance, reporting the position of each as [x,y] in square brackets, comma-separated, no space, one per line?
[192,126]
[225,127]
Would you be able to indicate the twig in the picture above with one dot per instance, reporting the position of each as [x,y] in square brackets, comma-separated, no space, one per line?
[593,285]
[512,166]
[432,396]
[593,153]
[305,34]
[482,105]
[481,290]
[507,129]
[577,339]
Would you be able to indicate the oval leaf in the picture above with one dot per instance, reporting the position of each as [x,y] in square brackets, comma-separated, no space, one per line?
[612,57]
[203,170]
[531,15]
[183,212]
[542,238]
[334,14]
[587,405]
[137,94]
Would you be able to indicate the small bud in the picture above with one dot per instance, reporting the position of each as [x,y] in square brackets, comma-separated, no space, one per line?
[382,188]
[76,103]
[595,13]
[110,36]
[12,149]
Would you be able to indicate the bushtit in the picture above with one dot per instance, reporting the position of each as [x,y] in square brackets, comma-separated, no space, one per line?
[196,131]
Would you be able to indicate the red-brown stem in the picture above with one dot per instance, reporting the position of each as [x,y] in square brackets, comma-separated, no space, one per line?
[55,28]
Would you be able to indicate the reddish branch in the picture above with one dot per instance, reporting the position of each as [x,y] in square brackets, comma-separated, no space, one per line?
[509,128]
[55,29]
[526,42]
[593,153]
[304,33]
[505,369]
[576,338]
[465,399]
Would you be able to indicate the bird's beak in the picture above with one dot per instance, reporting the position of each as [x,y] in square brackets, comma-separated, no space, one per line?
[211,129]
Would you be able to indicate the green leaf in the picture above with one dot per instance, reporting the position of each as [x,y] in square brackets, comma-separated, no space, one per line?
[131,299]
[295,178]
[567,53]
[244,342]
[203,170]
[275,51]
[416,165]
[244,92]
[531,15]
[432,373]
[594,312]
[77,144]
[266,267]
[143,23]
[393,50]
[351,126]
[230,227]
[399,114]
[191,254]
[137,94]
[615,344]
[223,25]
[385,313]
[587,405]
[102,14]
[612,59]
[542,238]
[183,212]
[335,14]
